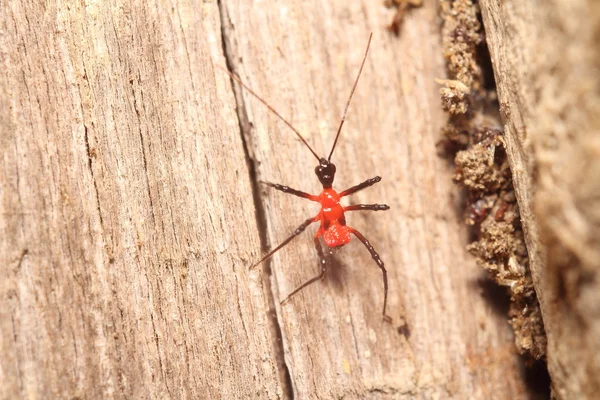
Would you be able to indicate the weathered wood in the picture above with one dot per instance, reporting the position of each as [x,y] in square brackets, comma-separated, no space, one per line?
[125,209]
[546,63]
[303,58]
[128,217]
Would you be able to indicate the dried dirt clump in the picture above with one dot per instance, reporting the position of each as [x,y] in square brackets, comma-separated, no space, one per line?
[462,35]
[500,249]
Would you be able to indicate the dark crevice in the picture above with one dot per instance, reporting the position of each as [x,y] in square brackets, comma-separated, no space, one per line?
[261,220]
[537,378]
[158,352]
[90,159]
[143,147]
[496,296]
[15,334]
[91,155]
[24,254]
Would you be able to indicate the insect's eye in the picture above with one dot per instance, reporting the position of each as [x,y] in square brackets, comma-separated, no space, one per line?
[330,170]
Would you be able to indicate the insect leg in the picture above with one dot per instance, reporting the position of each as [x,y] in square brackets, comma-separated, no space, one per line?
[287,189]
[298,231]
[360,186]
[380,264]
[322,260]
[367,207]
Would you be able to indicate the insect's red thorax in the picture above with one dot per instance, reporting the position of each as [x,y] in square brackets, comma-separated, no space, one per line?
[333,222]
[331,209]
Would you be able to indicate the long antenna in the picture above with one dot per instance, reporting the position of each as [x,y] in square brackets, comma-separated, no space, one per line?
[235,78]
[350,98]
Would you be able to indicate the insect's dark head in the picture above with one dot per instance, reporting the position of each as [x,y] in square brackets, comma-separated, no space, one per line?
[325,172]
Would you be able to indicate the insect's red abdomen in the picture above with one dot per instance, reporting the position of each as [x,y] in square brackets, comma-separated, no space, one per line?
[336,234]
[333,222]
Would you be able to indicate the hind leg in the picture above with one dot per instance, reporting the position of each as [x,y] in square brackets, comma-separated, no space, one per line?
[322,261]
[380,264]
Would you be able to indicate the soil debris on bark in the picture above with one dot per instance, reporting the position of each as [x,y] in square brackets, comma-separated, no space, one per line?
[474,138]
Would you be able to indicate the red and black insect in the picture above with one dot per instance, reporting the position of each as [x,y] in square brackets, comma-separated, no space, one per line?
[333,229]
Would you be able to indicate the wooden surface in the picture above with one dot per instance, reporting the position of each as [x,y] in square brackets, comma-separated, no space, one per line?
[546,62]
[124,224]
[128,215]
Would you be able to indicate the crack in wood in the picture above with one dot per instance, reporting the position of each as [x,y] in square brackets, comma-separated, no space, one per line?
[261,221]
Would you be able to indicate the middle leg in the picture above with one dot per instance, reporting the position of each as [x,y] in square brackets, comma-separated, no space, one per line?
[367,207]
[322,261]
[360,186]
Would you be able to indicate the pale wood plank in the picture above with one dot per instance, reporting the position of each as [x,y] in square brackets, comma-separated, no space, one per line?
[125,209]
[303,57]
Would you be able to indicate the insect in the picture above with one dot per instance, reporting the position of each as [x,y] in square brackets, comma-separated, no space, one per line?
[333,229]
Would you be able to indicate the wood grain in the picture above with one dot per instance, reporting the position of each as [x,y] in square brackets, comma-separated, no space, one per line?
[129,219]
[125,209]
[546,63]
[303,58]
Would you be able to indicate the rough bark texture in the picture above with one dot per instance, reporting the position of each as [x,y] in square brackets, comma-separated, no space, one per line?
[130,208]
[547,67]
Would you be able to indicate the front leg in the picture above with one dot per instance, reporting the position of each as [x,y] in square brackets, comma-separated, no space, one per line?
[360,186]
[287,189]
